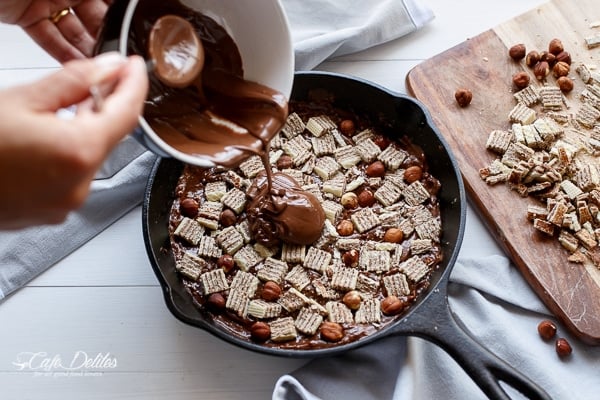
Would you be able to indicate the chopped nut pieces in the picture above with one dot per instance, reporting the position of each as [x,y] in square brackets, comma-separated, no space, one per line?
[550,154]
[379,243]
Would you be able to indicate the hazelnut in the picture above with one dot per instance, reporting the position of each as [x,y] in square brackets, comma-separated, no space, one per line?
[345,228]
[382,142]
[216,302]
[541,70]
[347,127]
[563,348]
[521,80]
[271,291]
[565,84]
[350,258]
[375,170]
[284,162]
[227,218]
[548,57]
[349,200]
[532,58]
[260,331]
[546,329]
[517,52]
[392,305]
[366,198]
[564,56]
[393,235]
[561,69]
[555,46]
[463,97]
[331,331]
[352,300]
[189,207]
[413,173]
[226,262]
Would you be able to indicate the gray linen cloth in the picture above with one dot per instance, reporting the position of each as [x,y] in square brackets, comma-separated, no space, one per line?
[498,307]
[339,27]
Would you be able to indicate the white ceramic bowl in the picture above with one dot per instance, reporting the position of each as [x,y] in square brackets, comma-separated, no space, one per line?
[261,31]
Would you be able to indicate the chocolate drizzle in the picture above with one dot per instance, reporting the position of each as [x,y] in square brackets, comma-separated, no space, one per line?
[287,214]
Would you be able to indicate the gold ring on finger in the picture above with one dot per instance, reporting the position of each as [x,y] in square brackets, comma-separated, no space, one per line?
[57,16]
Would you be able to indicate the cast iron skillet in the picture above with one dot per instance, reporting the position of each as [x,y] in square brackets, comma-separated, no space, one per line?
[430,317]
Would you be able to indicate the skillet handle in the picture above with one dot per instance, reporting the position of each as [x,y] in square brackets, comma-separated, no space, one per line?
[439,326]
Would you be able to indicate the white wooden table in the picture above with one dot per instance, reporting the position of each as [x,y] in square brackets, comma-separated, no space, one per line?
[103,304]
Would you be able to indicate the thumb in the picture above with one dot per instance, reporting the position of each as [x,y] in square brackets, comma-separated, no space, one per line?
[71,85]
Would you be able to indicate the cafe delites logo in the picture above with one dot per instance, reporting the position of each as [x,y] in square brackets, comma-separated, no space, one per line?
[80,363]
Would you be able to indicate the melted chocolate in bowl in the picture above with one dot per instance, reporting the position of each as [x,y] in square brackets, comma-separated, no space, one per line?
[223,116]
[236,117]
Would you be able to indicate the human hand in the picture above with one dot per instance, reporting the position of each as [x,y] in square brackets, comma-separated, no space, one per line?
[47,162]
[65,36]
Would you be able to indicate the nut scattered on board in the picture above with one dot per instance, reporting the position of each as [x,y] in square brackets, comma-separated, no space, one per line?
[463,97]
[565,84]
[541,70]
[555,46]
[517,52]
[561,68]
[532,58]
[521,80]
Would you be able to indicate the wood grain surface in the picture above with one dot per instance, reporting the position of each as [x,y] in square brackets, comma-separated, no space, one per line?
[481,64]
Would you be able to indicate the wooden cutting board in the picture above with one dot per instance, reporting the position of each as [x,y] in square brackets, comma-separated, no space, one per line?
[481,64]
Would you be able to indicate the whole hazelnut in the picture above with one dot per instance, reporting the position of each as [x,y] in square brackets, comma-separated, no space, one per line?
[548,57]
[226,262]
[347,127]
[413,174]
[352,300]
[563,348]
[517,52]
[521,80]
[345,228]
[271,291]
[216,302]
[532,58]
[331,331]
[393,235]
[350,258]
[463,97]
[561,69]
[555,46]
[349,200]
[546,329]
[382,142]
[565,84]
[284,162]
[375,169]
[366,198]
[188,207]
[541,70]
[564,56]
[392,305]
[227,218]
[260,331]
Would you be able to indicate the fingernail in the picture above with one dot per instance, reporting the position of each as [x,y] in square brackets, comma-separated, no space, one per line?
[107,64]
